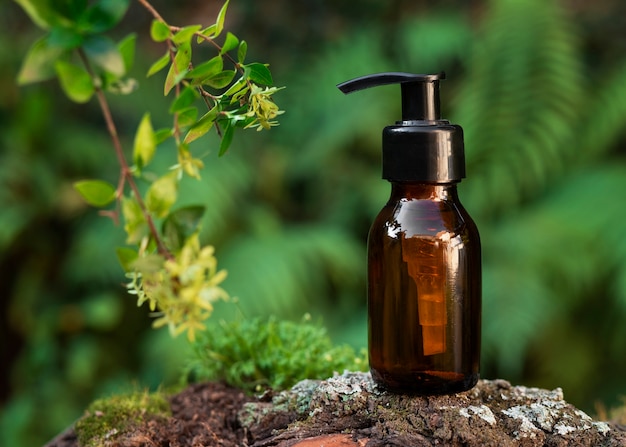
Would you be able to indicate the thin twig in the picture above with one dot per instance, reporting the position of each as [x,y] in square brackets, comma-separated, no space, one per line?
[126,175]
[152,11]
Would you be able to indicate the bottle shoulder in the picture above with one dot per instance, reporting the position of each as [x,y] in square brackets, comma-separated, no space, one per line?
[424,218]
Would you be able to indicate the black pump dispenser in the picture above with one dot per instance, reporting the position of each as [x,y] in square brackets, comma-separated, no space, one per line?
[422,147]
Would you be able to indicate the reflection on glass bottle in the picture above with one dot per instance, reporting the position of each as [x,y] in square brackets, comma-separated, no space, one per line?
[425,263]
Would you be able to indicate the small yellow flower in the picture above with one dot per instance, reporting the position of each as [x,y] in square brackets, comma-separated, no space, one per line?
[184,290]
[263,108]
[189,164]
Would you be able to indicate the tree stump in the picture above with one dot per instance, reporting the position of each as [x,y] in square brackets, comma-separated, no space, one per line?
[494,413]
[349,410]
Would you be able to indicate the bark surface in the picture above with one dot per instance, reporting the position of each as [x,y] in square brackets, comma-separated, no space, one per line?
[349,410]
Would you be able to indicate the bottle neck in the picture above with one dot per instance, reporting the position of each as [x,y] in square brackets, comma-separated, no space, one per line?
[424,191]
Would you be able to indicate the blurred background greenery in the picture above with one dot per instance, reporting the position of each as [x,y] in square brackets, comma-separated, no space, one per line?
[540,89]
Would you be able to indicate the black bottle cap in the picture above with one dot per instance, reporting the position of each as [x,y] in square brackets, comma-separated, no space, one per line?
[422,147]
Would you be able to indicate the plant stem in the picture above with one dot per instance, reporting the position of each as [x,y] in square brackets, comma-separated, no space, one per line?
[158,16]
[151,10]
[126,175]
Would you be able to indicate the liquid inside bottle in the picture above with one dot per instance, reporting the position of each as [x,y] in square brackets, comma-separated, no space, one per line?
[424,292]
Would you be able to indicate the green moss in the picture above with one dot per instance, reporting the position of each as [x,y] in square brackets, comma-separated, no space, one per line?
[105,419]
[256,354]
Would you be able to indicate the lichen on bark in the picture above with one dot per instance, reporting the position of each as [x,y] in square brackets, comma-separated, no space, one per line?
[494,413]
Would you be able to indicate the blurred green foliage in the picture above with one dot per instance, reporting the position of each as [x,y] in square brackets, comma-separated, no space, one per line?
[539,87]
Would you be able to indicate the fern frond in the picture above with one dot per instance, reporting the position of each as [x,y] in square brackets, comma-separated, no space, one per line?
[516,305]
[224,184]
[604,122]
[558,254]
[520,102]
[322,118]
[283,272]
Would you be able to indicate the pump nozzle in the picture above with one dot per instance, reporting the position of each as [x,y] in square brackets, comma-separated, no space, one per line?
[420,92]
[422,147]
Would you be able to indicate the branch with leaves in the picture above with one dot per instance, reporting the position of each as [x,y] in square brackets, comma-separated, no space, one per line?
[167,266]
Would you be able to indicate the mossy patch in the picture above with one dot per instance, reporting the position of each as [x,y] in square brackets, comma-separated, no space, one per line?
[106,419]
[257,354]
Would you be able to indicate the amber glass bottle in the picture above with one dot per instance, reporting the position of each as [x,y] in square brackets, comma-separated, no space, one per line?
[424,291]
[424,266]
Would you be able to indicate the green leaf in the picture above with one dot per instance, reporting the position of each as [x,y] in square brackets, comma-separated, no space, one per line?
[162,194]
[159,65]
[105,14]
[69,12]
[39,62]
[179,68]
[126,49]
[242,51]
[236,87]
[208,32]
[230,43]
[105,54]
[159,31]
[181,224]
[239,94]
[145,143]
[203,125]
[119,86]
[221,17]
[148,263]
[161,135]
[187,97]
[75,81]
[40,12]
[259,73]
[221,80]
[227,138]
[65,38]
[207,69]
[174,79]
[185,34]
[187,117]
[127,257]
[134,220]
[96,192]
